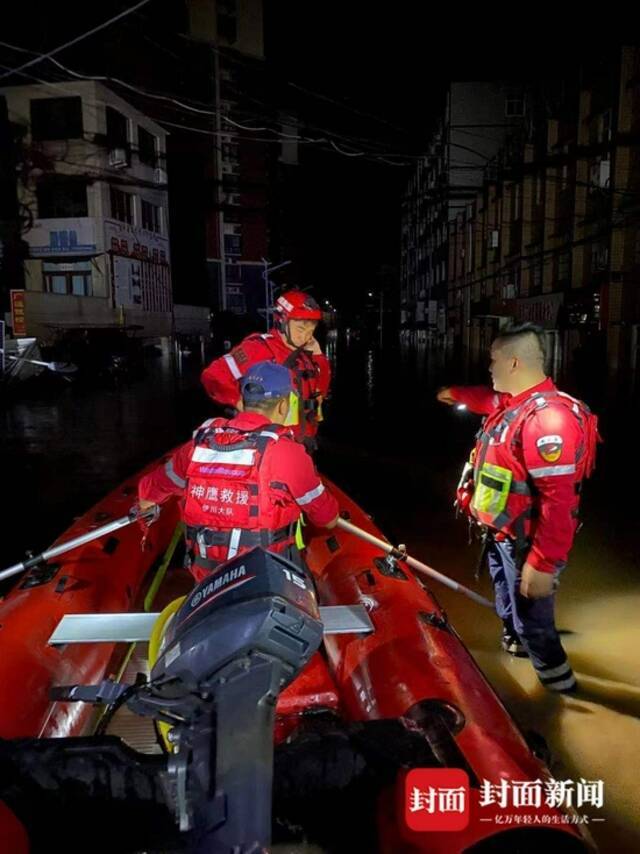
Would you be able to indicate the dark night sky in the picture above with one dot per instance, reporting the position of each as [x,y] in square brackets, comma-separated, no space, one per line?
[393,61]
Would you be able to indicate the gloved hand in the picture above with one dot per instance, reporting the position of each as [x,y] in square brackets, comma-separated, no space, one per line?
[145,522]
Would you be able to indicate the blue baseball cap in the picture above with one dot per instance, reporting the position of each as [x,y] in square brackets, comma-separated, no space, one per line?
[265,381]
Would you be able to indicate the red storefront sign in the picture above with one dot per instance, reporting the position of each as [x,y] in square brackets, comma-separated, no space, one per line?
[18,319]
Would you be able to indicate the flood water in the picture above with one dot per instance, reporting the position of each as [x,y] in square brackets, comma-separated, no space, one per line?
[398,453]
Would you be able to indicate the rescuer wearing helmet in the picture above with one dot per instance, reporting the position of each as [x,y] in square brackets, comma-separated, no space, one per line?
[291,343]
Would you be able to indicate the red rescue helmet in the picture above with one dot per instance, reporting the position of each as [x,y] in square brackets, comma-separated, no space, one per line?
[296,305]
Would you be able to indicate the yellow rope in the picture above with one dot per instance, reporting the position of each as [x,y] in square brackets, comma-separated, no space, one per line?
[155,644]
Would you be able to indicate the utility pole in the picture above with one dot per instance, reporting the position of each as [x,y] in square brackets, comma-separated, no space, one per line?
[268,296]
[217,147]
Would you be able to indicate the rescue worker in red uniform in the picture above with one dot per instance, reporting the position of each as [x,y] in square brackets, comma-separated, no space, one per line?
[291,343]
[522,486]
[244,482]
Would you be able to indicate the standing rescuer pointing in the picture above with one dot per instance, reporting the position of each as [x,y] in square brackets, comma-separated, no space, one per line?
[522,487]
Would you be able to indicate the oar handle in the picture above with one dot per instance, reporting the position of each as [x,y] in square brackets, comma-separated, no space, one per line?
[132,516]
[415,564]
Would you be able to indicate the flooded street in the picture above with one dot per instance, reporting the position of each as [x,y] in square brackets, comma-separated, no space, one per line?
[398,453]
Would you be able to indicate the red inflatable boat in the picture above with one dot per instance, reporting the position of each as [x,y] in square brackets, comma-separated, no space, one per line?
[413,669]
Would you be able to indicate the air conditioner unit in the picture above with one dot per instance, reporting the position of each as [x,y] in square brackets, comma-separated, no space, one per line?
[600,258]
[237,229]
[494,239]
[508,291]
[600,174]
[118,158]
[159,176]
[233,198]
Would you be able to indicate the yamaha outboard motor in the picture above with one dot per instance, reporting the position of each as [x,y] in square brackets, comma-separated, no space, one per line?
[240,637]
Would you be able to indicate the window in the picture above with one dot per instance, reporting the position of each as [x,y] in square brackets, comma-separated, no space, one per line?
[516,202]
[564,266]
[146,147]
[56,118]
[538,190]
[232,216]
[564,176]
[227,28]
[68,278]
[514,103]
[230,151]
[230,182]
[236,303]
[232,244]
[117,129]
[604,127]
[536,275]
[121,205]
[636,251]
[150,217]
[61,196]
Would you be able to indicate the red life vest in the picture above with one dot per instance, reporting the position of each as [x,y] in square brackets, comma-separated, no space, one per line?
[306,380]
[500,493]
[229,508]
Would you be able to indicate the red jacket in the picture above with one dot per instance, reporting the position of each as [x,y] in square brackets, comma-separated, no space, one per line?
[546,440]
[311,376]
[288,484]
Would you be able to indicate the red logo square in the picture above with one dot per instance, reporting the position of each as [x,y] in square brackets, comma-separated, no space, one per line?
[436,799]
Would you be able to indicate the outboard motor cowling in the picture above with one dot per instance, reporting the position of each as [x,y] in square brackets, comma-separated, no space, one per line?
[241,636]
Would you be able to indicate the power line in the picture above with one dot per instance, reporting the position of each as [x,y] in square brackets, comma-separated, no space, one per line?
[75,40]
[347,107]
[350,139]
[231,136]
[208,112]
[247,62]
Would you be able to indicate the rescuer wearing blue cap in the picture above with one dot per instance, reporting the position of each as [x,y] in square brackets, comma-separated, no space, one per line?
[244,481]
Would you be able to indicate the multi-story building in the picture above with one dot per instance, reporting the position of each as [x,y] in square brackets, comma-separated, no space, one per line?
[202,77]
[92,191]
[553,234]
[245,165]
[471,131]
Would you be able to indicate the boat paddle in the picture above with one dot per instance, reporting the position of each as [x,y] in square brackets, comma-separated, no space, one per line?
[416,565]
[133,515]
[57,367]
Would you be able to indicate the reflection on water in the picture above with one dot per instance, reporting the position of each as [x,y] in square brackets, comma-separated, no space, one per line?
[398,453]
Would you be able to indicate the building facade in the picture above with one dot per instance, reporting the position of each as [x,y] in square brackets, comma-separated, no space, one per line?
[475,118]
[244,164]
[553,236]
[92,192]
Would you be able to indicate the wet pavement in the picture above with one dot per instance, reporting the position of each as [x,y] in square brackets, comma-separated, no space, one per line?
[398,453]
